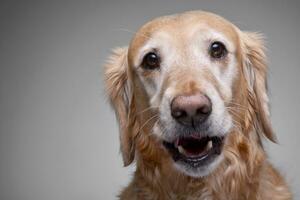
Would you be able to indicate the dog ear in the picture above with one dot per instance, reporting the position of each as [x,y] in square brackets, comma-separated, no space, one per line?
[119,90]
[255,72]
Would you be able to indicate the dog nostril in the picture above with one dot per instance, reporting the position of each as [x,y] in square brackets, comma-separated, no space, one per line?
[203,110]
[179,114]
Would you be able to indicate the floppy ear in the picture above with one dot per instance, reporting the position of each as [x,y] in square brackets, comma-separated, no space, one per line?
[121,97]
[255,72]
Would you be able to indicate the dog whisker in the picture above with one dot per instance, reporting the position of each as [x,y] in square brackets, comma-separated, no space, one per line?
[234,112]
[238,105]
[147,121]
[147,109]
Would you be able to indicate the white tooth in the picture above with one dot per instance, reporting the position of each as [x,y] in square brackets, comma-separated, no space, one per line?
[181,150]
[209,145]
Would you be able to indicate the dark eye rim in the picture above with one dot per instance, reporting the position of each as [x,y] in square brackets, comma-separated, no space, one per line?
[218,55]
[146,65]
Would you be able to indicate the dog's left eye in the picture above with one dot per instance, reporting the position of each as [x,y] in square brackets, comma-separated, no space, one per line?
[151,61]
[217,50]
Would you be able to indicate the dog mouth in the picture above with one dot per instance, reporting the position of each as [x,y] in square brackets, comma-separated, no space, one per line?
[194,150]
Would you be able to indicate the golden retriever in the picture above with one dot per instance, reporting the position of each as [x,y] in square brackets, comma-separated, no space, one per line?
[191,99]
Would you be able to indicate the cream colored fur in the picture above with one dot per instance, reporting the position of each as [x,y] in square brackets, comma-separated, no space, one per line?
[238,86]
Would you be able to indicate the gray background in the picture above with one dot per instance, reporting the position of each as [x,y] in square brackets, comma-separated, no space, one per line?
[58,135]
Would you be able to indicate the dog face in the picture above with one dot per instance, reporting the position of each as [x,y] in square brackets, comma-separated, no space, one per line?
[183,84]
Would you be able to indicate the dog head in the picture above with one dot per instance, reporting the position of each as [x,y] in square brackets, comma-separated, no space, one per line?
[184,84]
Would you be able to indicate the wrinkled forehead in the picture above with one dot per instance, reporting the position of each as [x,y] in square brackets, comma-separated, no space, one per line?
[176,32]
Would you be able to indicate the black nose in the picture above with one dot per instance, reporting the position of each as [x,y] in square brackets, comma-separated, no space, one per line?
[191,110]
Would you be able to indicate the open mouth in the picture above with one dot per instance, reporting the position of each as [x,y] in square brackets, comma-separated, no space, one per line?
[195,151]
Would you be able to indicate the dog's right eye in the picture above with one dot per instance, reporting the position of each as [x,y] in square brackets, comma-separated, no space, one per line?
[151,61]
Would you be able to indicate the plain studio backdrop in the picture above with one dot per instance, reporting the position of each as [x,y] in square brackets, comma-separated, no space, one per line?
[59,136]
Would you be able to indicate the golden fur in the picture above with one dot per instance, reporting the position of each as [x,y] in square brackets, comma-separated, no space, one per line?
[245,173]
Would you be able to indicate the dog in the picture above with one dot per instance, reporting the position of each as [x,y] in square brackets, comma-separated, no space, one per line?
[191,99]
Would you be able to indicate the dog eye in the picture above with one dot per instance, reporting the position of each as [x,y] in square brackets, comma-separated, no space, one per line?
[217,50]
[151,61]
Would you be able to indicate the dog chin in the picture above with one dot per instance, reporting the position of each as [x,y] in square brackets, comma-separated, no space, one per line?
[200,172]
